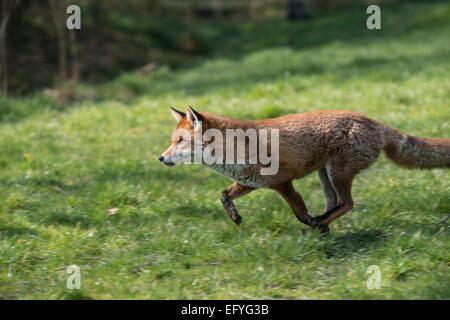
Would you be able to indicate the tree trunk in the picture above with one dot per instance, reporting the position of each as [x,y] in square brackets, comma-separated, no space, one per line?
[59,24]
[296,10]
[7,7]
[190,43]
[75,72]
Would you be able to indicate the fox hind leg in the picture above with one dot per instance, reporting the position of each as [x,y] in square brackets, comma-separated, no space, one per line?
[358,155]
[342,185]
[327,189]
[234,191]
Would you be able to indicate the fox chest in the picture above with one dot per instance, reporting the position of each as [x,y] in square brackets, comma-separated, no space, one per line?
[240,174]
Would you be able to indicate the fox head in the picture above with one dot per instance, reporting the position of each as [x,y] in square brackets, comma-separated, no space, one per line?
[187,134]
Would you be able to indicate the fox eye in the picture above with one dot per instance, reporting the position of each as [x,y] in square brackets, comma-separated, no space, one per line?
[180,139]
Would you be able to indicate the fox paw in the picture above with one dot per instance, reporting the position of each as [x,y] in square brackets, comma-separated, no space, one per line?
[237,219]
[317,224]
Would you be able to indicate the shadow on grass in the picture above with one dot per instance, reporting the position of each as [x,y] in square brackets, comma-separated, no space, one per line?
[77,294]
[366,240]
[9,231]
[364,68]
[345,25]
[349,244]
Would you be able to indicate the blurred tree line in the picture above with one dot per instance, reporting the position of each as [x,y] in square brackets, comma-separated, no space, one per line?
[37,50]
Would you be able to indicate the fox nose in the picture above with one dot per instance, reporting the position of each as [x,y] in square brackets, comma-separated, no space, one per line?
[161,158]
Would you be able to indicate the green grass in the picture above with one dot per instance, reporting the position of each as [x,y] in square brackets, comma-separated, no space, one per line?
[62,169]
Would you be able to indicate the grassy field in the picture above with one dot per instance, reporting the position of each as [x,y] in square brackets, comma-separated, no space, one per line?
[62,170]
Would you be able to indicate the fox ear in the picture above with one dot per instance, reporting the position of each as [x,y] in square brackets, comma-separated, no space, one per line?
[193,116]
[178,115]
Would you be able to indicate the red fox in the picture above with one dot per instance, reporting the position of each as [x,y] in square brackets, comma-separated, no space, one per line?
[337,144]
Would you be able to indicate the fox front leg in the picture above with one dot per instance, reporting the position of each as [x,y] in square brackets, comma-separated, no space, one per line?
[295,201]
[228,195]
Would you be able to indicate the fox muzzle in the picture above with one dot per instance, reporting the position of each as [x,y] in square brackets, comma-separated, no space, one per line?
[166,161]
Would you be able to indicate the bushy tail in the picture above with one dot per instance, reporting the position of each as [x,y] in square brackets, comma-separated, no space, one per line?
[414,152]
